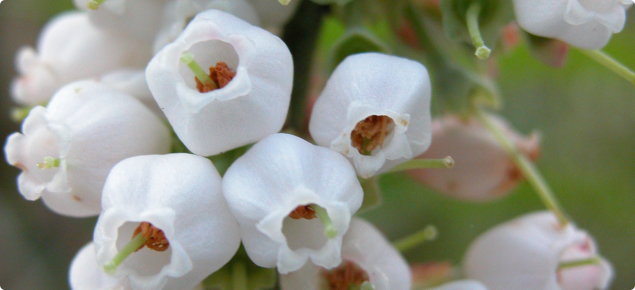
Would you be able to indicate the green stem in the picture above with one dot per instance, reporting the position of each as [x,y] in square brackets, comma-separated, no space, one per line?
[446,162]
[527,168]
[188,59]
[239,276]
[49,163]
[579,263]
[329,229]
[128,249]
[429,233]
[482,51]
[610,63]
[94,4]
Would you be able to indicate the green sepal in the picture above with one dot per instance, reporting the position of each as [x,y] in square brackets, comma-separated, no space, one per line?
[494,16]
[458,90]
[258,278]
[372,194]
[354,41]
[223,161]
[18,114]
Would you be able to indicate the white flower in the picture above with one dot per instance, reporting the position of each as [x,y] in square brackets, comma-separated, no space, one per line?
[252,105]
[178,14]
[139,19]
[178,195]
[71,49]
[278,176]
[587,24]
[273,15]
[375,110]
[526,253]
[483,169]
[461,285]
[367,256]
[67,149]
[86,274]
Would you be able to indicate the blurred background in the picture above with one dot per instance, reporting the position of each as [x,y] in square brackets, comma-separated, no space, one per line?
[586,115]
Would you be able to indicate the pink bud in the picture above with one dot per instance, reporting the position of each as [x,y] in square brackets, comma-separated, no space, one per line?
[483,169]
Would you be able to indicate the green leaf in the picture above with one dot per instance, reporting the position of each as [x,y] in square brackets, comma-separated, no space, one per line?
[356,40]
[372,194]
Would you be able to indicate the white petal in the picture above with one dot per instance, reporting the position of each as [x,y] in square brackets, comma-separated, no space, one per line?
[273,15]
[70,49]
[522,254]
[133,82]
[252,106]
[272,179]
[461,285]
[86,274]
[134,18]
[570,21]
[179,194]
[177,15]
[89,127]
[375,84]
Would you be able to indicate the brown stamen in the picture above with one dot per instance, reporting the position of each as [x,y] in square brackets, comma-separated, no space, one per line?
[155,237]
[370,133]
[303,212]
[220,74]
[346,275]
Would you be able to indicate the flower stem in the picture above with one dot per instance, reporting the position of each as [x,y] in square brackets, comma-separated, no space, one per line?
[527,168]
[188,59]
[482,51]
[239,276]
[329,229]
[429,233]
[446,162]
[579,263]
[94,4]
[49,163]
[610,63]
[128,249]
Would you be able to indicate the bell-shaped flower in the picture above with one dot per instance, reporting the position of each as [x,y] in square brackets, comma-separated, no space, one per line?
[294,202]
[246,96]
[483,170]
[461,285]
[368,258]
[71,49]
[165,223]
[274,16]
[178,14]
[139,19]
[67,149]
[375,109]
[534,252]
[587,24]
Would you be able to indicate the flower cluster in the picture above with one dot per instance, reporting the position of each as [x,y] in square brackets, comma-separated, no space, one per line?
[172,137]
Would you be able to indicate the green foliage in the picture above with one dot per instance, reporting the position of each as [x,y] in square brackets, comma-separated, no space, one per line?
[356,40]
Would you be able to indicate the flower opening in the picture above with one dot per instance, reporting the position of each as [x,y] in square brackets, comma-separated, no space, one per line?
[155,238]
[371,133]
[220,74]
[347,276]
[303,212]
